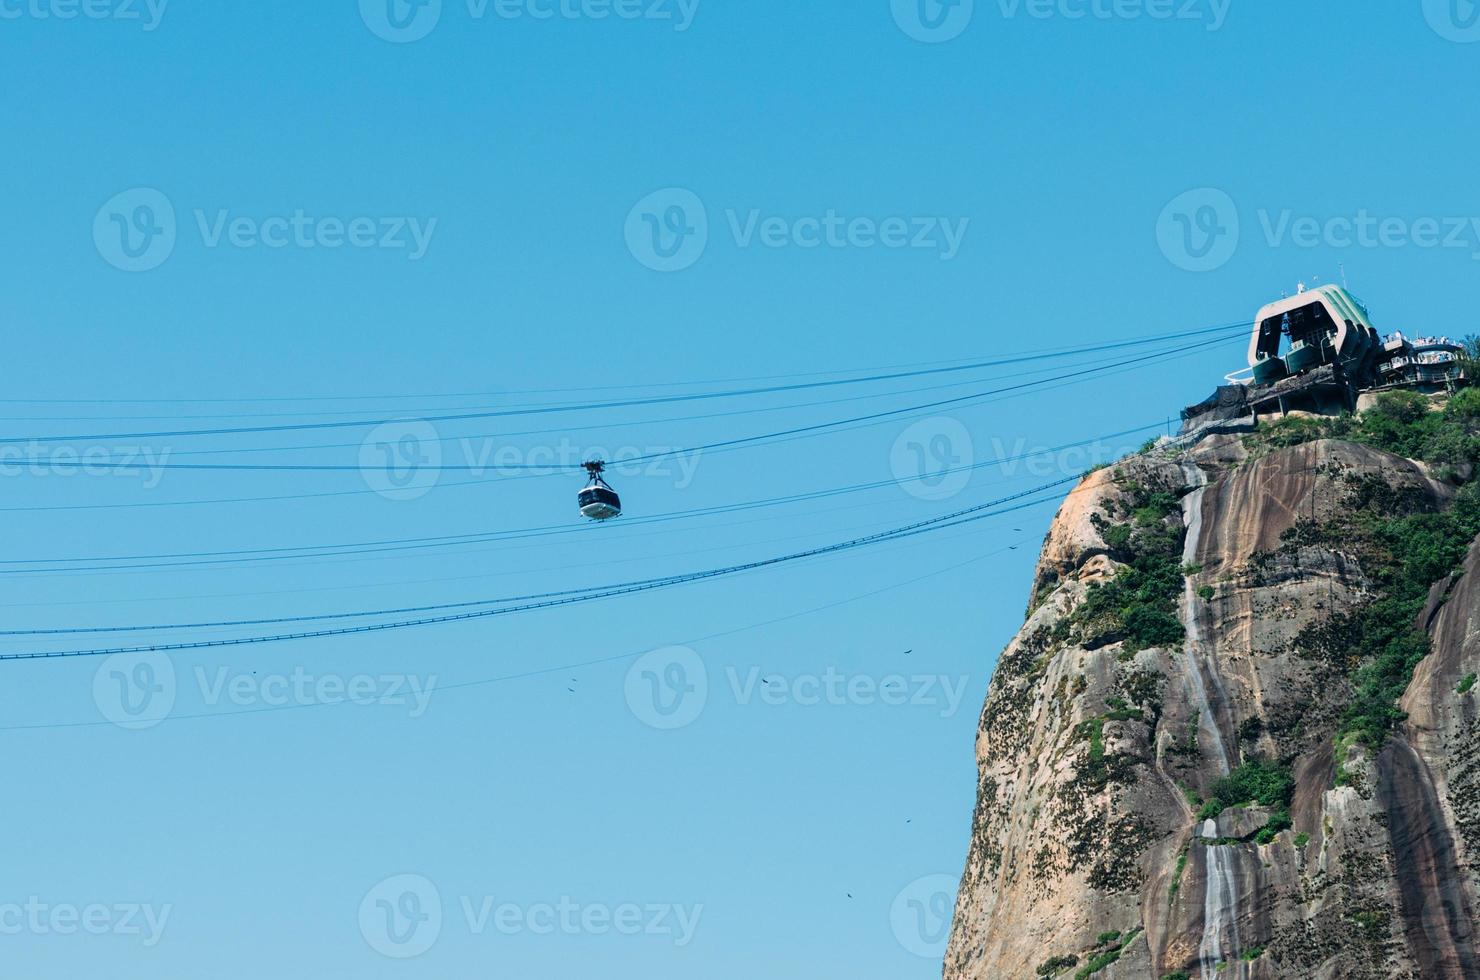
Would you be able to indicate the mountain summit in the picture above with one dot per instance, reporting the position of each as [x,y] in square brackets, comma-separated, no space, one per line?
[1238,735]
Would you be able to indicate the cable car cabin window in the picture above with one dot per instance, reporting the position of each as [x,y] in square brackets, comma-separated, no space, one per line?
[1270,336]
[598,495]
[1312,324]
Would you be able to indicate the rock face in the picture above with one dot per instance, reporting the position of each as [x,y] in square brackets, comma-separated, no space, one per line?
[1128,695]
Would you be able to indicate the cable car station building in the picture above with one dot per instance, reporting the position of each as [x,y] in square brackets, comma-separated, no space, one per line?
[1317,351]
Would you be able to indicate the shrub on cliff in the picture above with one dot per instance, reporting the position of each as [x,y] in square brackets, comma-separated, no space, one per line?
[1256,781]
[1400,422]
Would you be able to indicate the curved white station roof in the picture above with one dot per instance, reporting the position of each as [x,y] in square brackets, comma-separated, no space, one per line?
[1346,311]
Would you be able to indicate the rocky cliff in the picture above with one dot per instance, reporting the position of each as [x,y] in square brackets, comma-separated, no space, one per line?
[1237,736]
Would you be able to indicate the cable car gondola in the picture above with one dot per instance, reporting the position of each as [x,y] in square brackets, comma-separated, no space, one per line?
[599,501]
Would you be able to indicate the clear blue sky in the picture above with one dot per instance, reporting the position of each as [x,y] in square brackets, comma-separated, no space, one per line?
[807,839]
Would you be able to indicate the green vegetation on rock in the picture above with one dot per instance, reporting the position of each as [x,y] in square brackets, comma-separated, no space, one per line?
[1256,781]
[1109,956]
[1177,879]
[1285,432]
[1250,729]
[1376,924]
[1404,556]
[1057,965]
[1093,730]
[1403,546]
[1401,422]
[1139,605]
